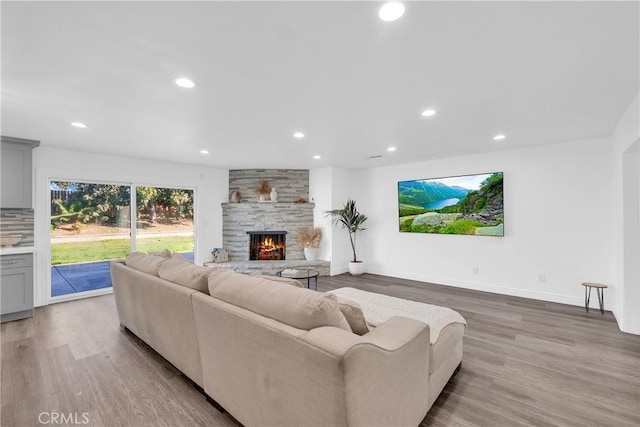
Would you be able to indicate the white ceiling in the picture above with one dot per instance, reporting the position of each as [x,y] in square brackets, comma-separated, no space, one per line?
[539,72]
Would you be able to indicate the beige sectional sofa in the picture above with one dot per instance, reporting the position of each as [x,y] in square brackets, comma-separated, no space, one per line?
[159,311]
[280,355]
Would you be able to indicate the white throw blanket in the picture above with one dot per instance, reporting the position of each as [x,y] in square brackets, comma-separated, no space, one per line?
[378,308]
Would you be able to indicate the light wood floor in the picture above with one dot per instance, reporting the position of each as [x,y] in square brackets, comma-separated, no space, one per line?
[525,362]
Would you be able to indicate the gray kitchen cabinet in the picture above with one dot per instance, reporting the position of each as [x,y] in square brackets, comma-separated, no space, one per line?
[16,172]
[16,287]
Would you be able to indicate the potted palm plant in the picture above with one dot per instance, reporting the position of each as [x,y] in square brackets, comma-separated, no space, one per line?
[348,217]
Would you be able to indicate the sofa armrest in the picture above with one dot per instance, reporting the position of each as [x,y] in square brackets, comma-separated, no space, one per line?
[397,332]
[387,380]
[389,336]
[385,371]
[160,313]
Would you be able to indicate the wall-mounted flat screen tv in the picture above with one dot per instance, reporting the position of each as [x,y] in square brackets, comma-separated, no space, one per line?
[468,204]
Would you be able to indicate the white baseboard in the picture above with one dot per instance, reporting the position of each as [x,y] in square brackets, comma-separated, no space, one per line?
[616,316]
[338,270]
[624,327]
[484,287]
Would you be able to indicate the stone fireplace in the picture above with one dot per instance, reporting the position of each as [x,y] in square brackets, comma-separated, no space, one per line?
[267,245]
[240,221]
[243,221]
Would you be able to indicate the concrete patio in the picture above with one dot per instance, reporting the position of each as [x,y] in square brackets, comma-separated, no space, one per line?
[87,276]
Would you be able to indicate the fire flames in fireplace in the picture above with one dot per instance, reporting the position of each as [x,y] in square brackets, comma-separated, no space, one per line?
[267,246]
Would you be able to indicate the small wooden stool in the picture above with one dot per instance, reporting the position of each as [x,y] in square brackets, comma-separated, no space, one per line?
[587,294]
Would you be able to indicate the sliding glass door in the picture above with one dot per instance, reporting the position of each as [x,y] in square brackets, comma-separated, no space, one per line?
[91,225]
[164,220]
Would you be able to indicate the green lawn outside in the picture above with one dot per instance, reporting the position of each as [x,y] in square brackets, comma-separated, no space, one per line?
[99,250]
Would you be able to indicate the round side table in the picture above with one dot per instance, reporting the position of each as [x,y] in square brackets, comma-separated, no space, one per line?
[301,274]
[599,290]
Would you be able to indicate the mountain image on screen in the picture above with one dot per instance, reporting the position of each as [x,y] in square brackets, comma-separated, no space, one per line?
[421,193]
[470,204]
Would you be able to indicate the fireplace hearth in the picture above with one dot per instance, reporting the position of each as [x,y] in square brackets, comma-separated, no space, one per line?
[267,245]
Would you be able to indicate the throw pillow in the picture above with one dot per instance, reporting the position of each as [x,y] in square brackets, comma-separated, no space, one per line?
[353,313]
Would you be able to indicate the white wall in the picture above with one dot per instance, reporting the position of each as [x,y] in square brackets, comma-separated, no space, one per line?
[341,248]
[625,238]
[631,237]
[210,186]
[320,194]
[329,188]
[557,224]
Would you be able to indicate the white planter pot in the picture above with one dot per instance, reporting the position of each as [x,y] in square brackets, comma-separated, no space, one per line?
[311,254]
[356,268]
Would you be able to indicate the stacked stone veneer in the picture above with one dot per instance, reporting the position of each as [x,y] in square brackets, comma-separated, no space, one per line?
[251,215]
[290,184]
[238,218]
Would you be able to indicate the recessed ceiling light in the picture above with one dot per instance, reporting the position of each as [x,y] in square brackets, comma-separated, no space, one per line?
[499,137]
[316,157]
[184,82]
[428,113]
[204,151]
[78,125]
[391,149]
[298,135]
[391,11]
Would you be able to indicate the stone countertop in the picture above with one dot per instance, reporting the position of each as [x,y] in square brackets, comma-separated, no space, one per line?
[17,250]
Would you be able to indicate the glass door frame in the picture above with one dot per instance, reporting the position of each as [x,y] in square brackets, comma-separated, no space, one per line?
[132,229]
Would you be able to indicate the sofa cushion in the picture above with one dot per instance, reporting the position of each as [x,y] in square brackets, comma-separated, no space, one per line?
[143,262]
[297,307]
[165,253]
[287,280]
[353,313]
[179,256]
[219,275]
[185,273]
